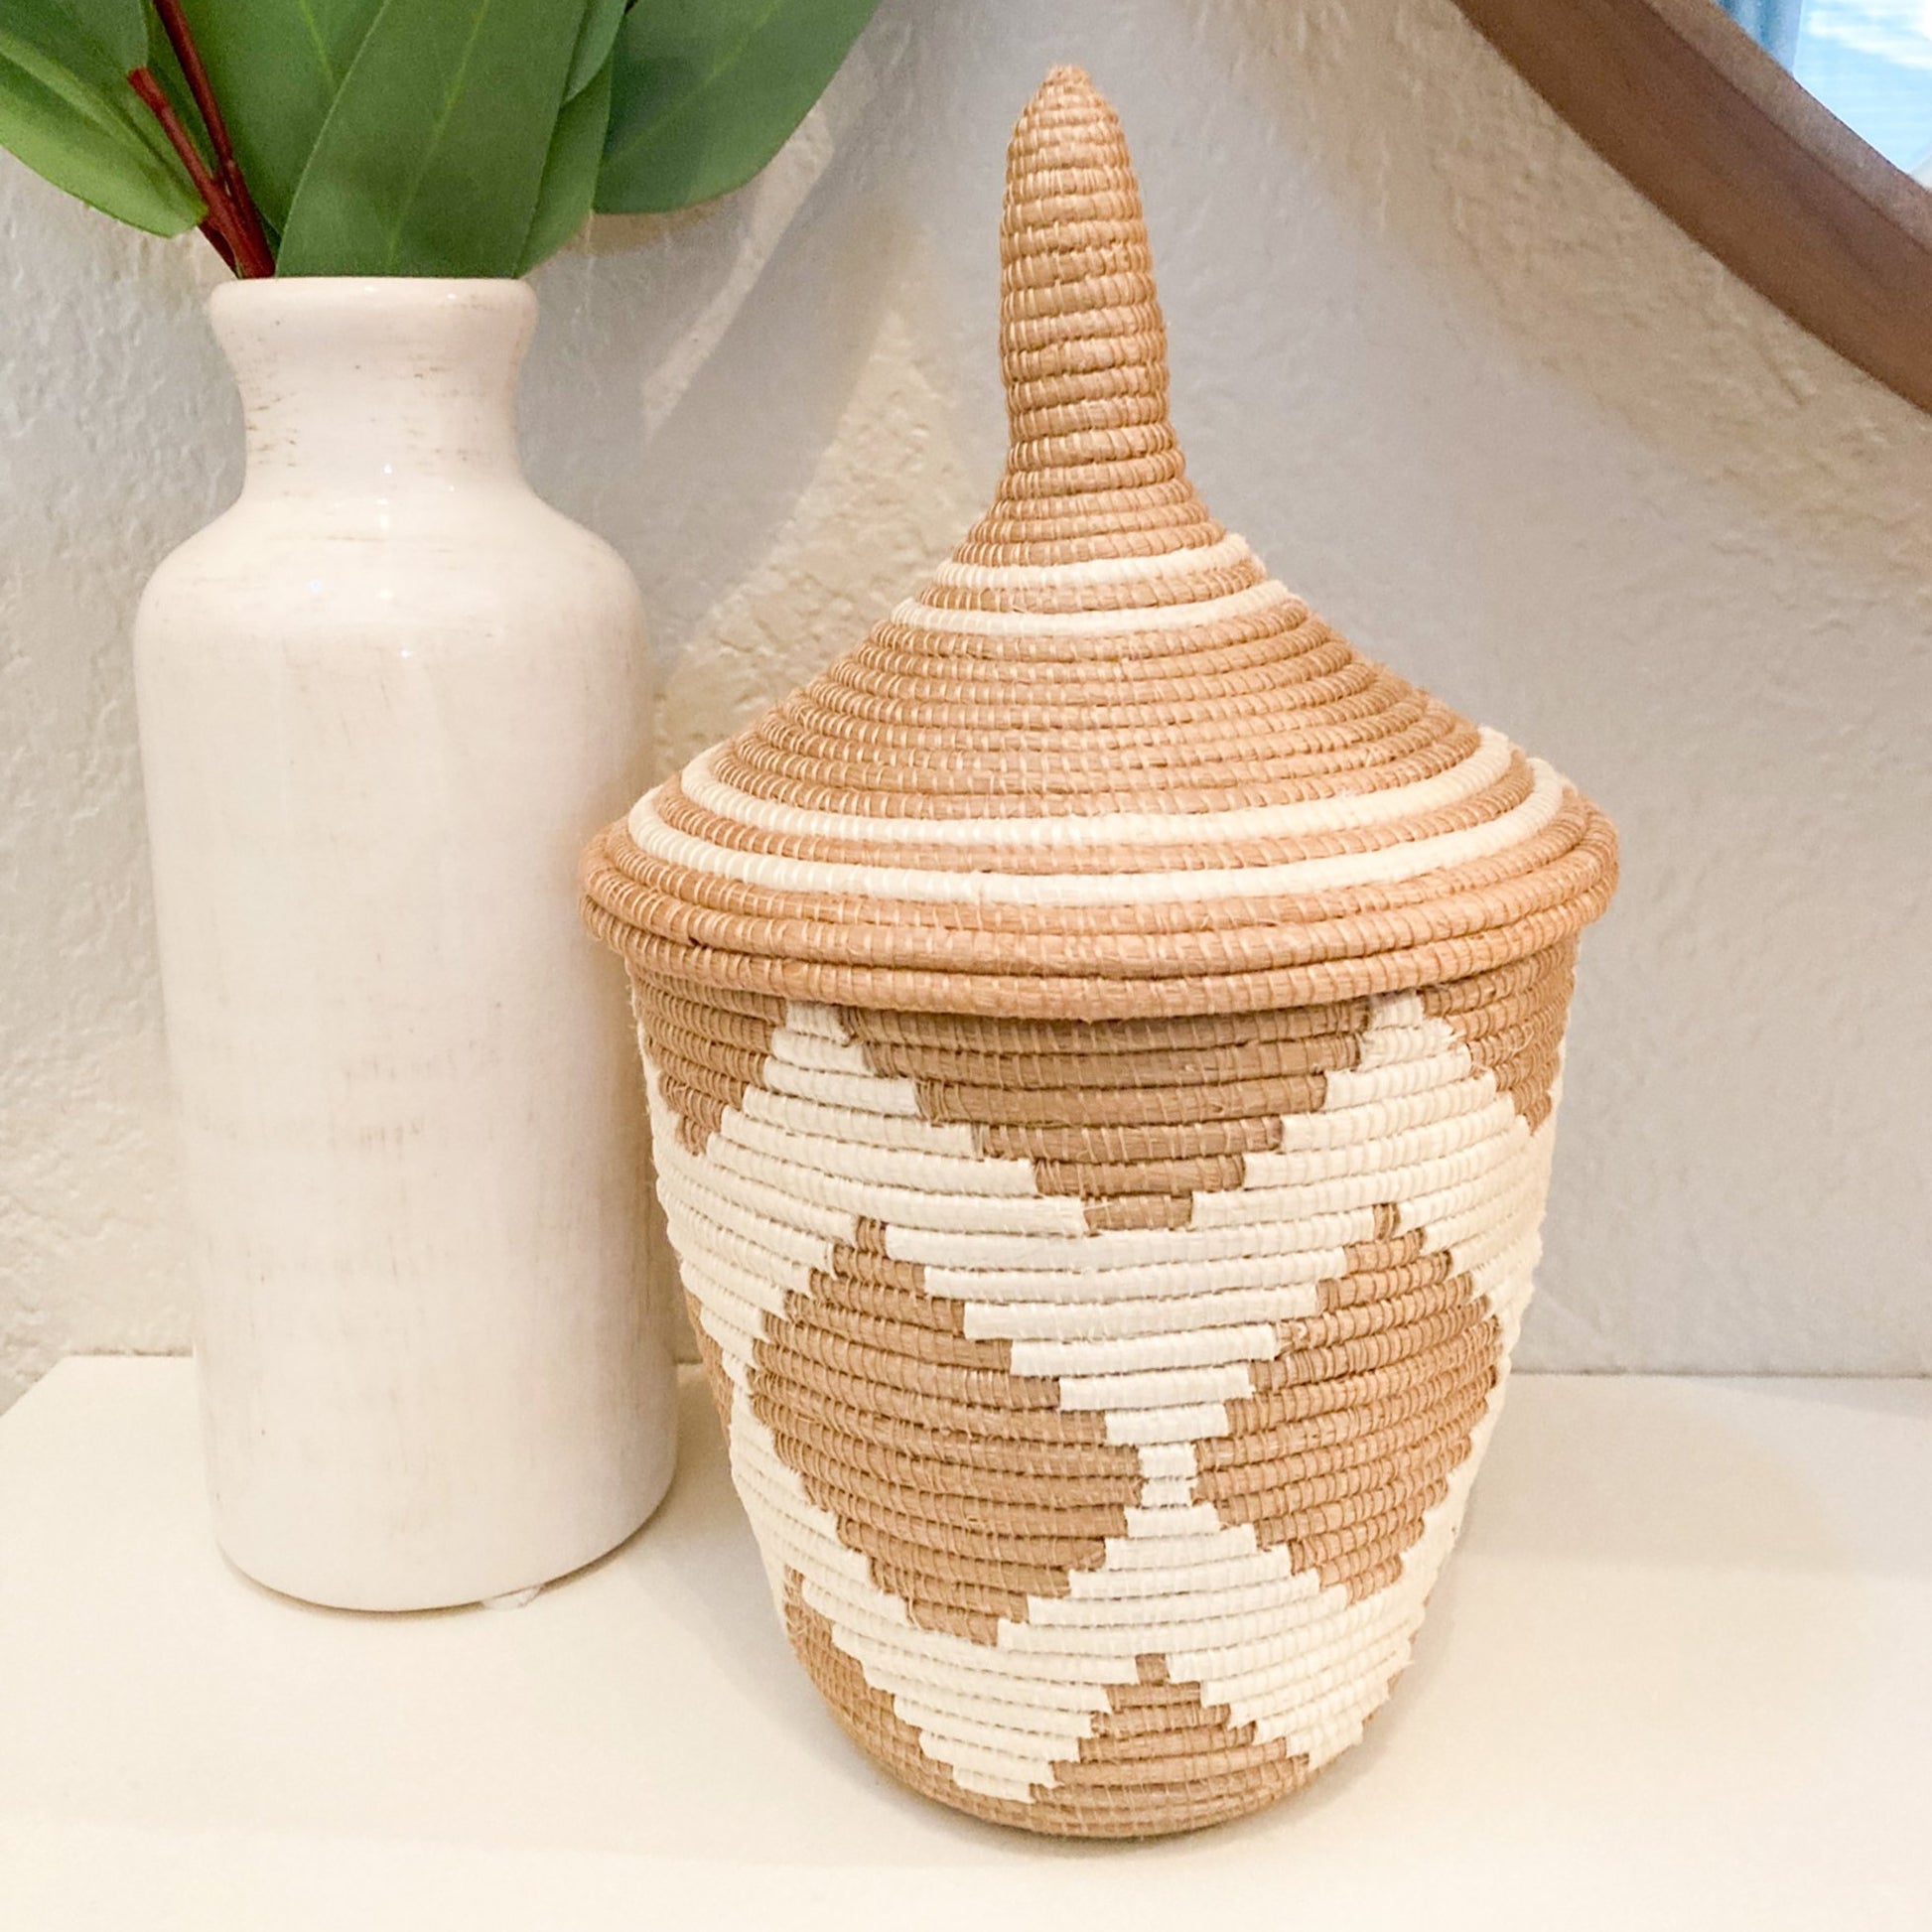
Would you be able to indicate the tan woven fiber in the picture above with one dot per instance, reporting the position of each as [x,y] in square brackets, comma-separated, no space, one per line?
[1103,1038]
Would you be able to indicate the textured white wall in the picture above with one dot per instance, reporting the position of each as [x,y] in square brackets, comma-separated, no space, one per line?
[1465,390]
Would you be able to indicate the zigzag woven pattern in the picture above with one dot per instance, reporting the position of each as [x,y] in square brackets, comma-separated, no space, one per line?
[1103,1038]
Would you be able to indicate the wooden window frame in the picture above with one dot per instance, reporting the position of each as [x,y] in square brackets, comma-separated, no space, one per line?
[1678,97]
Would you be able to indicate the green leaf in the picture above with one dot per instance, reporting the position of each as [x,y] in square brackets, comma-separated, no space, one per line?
[96,44]
[601,19]
[119,28]
[570,173]
[708,90]
[66,113]
[276,67]
[430,160]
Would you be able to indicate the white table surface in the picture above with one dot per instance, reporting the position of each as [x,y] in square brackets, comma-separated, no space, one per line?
[1680,1674]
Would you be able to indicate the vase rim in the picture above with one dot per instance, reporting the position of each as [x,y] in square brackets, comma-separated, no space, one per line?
[386,292]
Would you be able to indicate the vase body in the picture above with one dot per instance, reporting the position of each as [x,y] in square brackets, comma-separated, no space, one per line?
[382,700]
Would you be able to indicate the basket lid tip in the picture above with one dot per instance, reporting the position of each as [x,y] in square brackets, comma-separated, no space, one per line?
[1068,125]
[1093,468]
[1065,78]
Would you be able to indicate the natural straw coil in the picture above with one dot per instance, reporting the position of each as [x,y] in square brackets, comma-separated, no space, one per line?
[1103,1038]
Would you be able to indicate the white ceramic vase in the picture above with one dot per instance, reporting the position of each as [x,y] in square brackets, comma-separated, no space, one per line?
[383,700]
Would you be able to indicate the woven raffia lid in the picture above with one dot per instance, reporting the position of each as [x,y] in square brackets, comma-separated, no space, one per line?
[1102,764]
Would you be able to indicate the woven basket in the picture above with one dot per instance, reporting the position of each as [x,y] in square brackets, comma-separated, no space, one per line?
[1102,1037]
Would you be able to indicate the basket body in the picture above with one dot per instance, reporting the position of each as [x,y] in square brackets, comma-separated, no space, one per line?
[1105,1395]
[1102,1035]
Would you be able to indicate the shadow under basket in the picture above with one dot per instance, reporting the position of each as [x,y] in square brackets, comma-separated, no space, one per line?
[1103,1038]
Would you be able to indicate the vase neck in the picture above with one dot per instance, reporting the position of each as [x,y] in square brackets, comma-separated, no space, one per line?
[376,386]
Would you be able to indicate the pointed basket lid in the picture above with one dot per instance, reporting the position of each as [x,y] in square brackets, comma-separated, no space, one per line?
[1103,765]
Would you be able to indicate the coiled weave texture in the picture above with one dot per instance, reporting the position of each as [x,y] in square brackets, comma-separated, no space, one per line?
[1103,1038]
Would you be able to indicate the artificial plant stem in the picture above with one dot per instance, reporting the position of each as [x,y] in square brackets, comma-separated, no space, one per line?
[220,225]
[250,238]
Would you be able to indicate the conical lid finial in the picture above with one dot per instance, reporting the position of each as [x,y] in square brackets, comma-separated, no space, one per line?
[1092,466]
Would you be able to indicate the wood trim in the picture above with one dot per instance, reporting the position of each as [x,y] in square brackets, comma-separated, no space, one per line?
[1677,96]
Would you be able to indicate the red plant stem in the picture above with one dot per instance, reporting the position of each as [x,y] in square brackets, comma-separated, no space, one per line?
[221,212]
[221,225]
[250,240]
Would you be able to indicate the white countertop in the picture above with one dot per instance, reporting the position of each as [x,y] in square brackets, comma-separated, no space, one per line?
[1680,1675]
